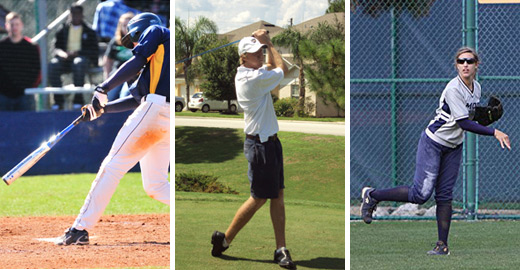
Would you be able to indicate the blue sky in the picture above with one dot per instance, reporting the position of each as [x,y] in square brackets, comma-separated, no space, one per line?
[232,14]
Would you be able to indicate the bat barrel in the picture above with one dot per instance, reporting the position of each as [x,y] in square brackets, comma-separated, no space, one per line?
[25,164]
[35,156]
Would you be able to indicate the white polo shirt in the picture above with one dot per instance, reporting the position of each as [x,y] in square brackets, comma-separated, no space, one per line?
[253,87]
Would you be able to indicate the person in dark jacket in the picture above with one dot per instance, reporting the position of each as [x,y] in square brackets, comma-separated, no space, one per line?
[76,49]
[19,66]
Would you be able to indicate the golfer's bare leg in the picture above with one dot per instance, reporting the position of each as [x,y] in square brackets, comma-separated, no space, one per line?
[278,219]
[242,217]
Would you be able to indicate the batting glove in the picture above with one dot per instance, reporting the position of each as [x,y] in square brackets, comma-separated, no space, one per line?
[101,95]
[99,100]
[89,112]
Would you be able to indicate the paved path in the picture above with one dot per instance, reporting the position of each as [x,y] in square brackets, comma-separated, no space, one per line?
[329,128]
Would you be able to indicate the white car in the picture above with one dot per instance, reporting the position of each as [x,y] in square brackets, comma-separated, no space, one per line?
[179,103]
[199,102]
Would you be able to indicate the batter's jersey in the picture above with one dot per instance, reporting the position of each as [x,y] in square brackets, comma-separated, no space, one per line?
[154,45]
[253,87]
[455,102]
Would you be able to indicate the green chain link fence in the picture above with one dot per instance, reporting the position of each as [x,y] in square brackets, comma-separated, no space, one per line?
[401,59]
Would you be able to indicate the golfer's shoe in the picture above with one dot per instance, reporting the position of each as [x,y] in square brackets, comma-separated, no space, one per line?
[283,258]
[73,237]
[368,206]
[439,249]
[217,240]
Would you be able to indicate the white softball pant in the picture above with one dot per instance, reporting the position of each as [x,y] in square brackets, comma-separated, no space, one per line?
[144,138]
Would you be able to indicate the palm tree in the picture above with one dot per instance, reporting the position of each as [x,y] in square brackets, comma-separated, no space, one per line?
[290,38]
[189,41]
[336,6]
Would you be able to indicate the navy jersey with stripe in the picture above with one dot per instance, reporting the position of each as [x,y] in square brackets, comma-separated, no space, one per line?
[154,45]
[455,102]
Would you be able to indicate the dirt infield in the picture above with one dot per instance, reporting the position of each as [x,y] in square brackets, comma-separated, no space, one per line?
[116,242]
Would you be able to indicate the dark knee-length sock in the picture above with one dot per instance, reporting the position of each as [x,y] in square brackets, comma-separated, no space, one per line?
[444,212]
[397,194]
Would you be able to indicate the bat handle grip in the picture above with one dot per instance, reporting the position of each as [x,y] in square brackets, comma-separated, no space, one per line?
[78,120]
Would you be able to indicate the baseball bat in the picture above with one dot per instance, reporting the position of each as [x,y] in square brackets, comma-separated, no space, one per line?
[37,154]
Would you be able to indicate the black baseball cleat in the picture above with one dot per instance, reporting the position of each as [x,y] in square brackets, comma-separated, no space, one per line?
[368,206]
[439,249]
[283,258]
[217,240]
[73,237]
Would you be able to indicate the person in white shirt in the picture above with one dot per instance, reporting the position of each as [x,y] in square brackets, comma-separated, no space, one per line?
[262,148]
[439,153]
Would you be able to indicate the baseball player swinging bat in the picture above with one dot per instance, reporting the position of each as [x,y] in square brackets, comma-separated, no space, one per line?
[35,156]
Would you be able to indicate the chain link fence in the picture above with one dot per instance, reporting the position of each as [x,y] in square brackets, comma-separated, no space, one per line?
[401,59]
[498,188]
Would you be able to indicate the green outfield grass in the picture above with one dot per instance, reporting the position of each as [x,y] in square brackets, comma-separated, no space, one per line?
[61,195]
[403,245]
[314,165]
[241,116]
[315,234]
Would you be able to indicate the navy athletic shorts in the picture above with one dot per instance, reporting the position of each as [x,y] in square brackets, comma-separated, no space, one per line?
[265,171]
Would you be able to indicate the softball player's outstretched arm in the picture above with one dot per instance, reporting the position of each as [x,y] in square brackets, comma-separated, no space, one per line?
[503,139]
[477,128]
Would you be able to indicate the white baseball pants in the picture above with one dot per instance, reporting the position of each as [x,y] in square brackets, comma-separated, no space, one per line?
[144,138]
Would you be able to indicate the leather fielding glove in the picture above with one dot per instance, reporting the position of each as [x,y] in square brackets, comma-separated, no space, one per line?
[486,115]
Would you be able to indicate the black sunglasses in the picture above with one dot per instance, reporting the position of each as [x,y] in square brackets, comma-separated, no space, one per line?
[470,61]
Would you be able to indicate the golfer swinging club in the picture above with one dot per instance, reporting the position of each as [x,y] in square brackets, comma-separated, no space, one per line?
[262,148]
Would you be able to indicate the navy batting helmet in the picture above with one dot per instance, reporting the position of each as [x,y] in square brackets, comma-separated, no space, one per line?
[136,27]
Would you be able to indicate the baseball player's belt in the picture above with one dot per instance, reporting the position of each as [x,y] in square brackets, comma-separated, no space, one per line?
[167,98]
[256,137]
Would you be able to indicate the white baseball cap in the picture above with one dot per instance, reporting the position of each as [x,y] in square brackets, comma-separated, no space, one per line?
[249,45]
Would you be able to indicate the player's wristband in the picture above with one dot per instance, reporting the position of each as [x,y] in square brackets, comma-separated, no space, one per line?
[100,90]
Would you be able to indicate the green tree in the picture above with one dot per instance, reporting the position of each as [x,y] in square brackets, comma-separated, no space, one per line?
[189,41]
[325,50]
[218,70]
[291,39]
[336,6]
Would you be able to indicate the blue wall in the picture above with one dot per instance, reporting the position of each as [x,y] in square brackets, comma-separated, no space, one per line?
[81,150]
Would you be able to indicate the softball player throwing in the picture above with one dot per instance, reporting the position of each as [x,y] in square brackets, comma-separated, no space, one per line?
[145,136]
[440,149]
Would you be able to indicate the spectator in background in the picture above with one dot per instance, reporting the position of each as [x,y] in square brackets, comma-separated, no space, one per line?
[76,49]
[160,7]
[116,54]
[107,15]
[19,66]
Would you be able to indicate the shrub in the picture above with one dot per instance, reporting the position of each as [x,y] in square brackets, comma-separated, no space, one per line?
[285,107]
[274,97]
[197,182]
